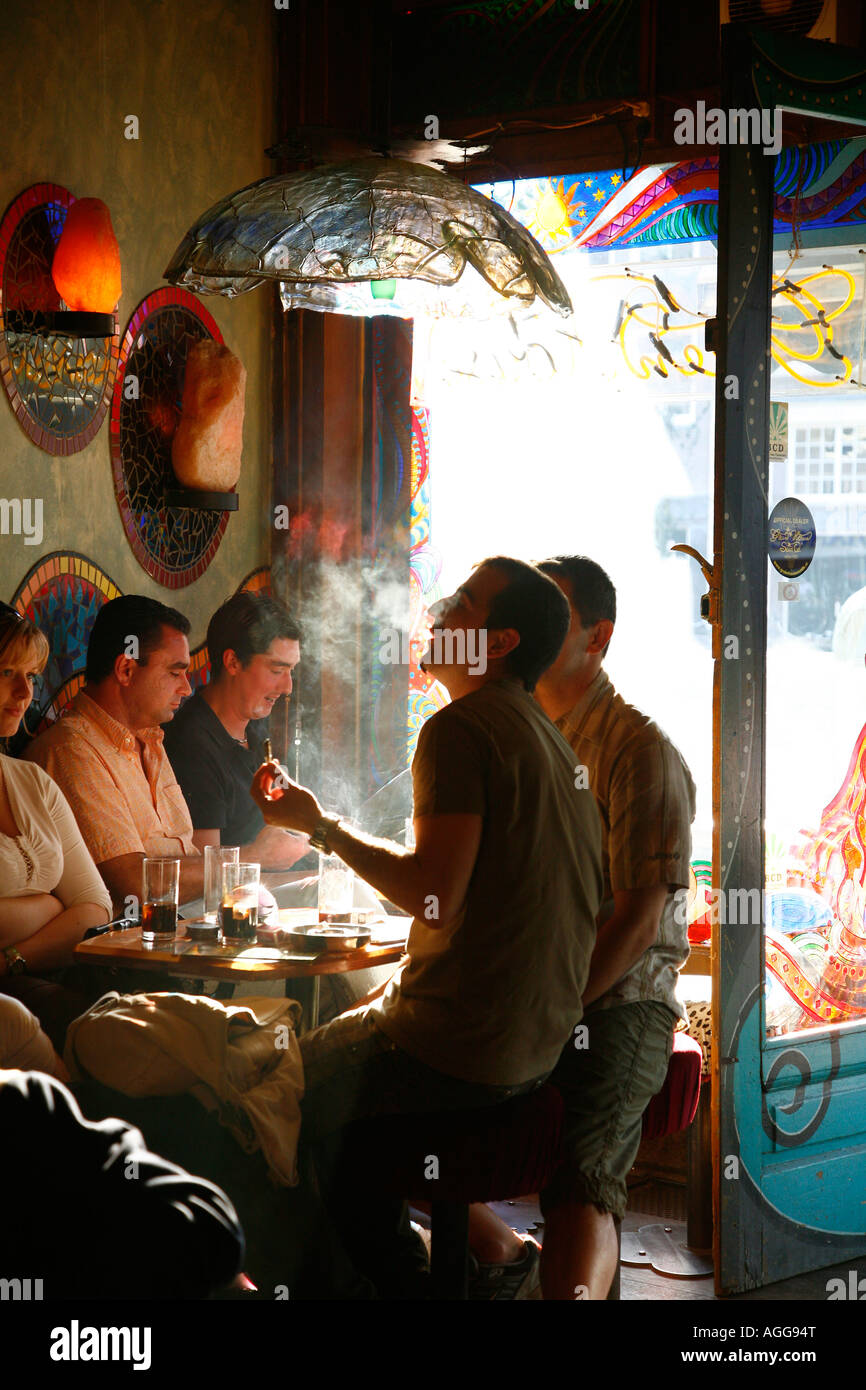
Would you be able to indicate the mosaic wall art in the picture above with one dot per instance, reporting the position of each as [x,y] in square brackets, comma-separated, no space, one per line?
[174,545]
[62,595]
[819,188]
[425,566]
[59,387]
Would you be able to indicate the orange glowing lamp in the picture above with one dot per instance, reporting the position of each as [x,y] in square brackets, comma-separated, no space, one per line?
[86,265]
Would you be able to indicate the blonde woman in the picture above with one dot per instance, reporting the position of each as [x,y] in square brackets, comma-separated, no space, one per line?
[50,890]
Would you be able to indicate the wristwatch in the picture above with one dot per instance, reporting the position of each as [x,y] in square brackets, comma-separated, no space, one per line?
[319,837]
[15,962]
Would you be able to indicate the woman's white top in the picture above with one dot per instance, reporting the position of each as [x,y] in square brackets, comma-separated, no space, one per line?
[48,855]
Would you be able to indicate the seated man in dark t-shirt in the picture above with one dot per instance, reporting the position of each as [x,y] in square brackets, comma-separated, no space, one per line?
[503,884]
[216,740]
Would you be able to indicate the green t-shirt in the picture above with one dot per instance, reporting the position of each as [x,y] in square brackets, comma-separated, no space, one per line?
[493,995]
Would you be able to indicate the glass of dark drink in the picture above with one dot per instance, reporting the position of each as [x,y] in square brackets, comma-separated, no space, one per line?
[159,900]
[239,904]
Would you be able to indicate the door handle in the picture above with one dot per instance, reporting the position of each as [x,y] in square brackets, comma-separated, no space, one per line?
[709,600]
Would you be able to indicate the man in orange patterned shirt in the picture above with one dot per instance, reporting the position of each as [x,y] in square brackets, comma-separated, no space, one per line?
[106,752]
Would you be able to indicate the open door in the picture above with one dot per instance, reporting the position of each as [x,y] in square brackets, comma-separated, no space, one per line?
[790,1057]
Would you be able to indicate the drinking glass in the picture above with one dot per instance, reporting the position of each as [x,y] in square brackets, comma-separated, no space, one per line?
[239,903]
[336,886]
[159,899]
[215,856]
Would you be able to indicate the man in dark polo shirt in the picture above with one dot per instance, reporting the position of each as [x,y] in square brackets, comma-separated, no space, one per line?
[503,884]
[216,740]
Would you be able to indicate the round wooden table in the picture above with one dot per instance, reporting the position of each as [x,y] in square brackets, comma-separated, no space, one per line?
[233,965]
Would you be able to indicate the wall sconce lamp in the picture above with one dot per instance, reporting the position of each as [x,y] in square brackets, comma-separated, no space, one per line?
[59,285]
[85,272]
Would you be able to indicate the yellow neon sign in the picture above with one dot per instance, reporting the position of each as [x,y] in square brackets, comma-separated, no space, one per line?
[655,314]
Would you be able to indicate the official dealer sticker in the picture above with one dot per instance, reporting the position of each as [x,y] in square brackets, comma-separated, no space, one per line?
[791,537]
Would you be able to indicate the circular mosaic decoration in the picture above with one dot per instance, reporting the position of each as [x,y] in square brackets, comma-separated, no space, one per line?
[174,544]
[62,595]
[59,387]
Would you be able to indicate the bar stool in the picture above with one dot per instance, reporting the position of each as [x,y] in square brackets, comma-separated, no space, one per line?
[454,1158]
[674,1107]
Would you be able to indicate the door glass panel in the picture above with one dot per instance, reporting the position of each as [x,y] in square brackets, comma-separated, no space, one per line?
[596,437]
[816,685]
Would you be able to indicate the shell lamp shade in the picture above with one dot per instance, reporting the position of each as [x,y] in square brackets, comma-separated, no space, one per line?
[335,227]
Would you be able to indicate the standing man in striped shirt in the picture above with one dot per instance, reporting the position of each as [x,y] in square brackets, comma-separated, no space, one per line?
[646,797]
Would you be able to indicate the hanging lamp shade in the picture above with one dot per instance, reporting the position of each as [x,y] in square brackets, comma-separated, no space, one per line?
[364,220]
[86,265]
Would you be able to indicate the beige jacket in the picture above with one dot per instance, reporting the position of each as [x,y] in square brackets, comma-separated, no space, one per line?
[241,1059]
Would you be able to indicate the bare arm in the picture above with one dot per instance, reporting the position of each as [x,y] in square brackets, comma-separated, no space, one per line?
[21,917]
[429,882]
[123,878]
[624,937]
[51,945]
[47,926]
[273,848]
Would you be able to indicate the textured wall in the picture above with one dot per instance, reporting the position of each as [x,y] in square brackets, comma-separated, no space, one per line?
[198,75]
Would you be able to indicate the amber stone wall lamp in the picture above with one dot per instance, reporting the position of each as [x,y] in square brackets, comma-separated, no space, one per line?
[59,286]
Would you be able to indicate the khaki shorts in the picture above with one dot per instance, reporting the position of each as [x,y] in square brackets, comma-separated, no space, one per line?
[607,1086]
